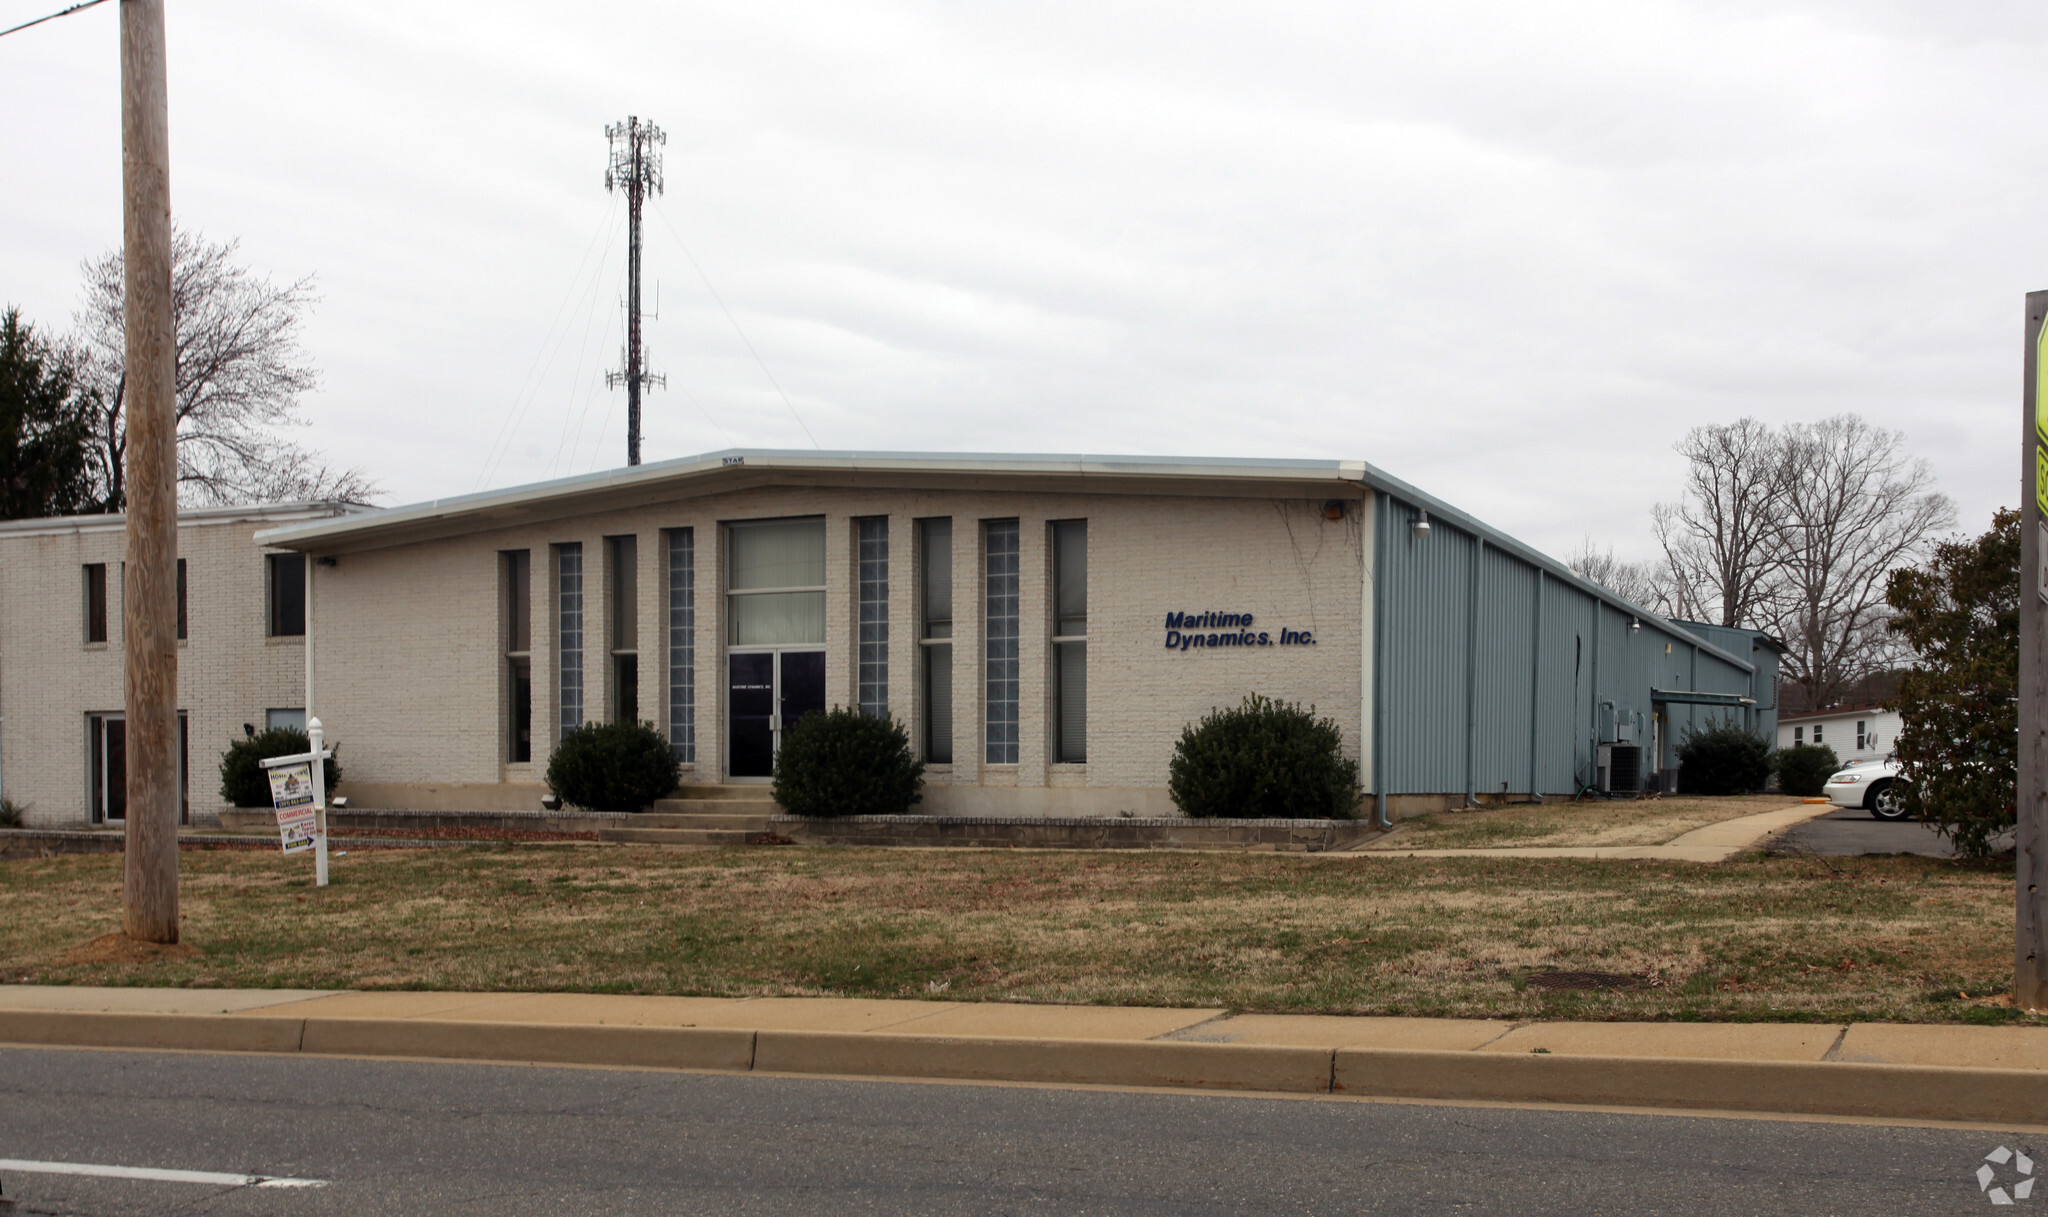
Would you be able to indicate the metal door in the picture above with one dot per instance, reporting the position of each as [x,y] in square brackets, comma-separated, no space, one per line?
[768,693]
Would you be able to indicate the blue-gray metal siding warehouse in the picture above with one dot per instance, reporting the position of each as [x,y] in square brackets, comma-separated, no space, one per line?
[1499,671]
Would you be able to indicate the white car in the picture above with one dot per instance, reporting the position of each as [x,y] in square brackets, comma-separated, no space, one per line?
[1871,785]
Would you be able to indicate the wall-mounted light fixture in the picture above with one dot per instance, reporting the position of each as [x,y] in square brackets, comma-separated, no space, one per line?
[1420,528]
[1635,625]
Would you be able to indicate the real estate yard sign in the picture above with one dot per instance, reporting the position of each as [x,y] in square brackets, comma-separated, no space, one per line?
[291,789]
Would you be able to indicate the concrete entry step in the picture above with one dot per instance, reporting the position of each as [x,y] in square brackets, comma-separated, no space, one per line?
[744,792]
[676,836]
[757,822]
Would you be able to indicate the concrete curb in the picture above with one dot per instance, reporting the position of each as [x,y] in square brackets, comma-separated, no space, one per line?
[1822,1088]
[1814,1088]
[1076,1062]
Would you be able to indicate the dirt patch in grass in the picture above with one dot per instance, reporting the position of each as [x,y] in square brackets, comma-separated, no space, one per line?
[118,948]
[1604,822]
[1757,938]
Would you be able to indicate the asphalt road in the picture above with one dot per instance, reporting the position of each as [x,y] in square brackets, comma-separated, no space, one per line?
[397,1137]
[1850,831]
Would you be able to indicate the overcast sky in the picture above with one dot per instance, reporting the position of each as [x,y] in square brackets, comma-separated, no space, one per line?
[1509,252]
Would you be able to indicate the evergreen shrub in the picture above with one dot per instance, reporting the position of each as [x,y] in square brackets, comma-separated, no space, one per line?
[1265,759]
[1804,770]
[1725,758]
[613,767]
[846,763]
[243,780]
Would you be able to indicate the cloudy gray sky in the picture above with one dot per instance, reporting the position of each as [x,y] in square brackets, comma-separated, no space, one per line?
[1509,252]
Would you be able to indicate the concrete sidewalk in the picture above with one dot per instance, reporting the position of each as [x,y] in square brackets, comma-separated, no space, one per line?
[1711,843]
[1972,1074]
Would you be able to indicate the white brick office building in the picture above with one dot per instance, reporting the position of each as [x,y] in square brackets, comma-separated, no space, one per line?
[1045,628]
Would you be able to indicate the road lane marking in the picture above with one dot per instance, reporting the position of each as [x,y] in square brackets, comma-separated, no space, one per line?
[152,1174]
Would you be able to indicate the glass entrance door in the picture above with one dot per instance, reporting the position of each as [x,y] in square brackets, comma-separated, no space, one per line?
[768,692]
[108,758]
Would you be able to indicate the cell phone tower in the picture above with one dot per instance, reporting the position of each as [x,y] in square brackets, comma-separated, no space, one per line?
[635,167]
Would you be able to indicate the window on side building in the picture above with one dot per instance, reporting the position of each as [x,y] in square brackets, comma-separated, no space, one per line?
[935,635]
[623,555]
[516,571]
[181,599]
[286,594]
[96,602]
[1862,734]
[871,562]
[1070,641]
[1000,559]
[1798,736]
[1816,734]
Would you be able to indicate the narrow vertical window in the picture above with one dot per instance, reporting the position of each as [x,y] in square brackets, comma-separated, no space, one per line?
[682,644]
[1070,641]
[181,598]
[517,571]
[872,540]
[569,622]
[287,594]
[624,556]
[1816,734]
[96,602]
[1798,736]
[1000,594]
[935,636]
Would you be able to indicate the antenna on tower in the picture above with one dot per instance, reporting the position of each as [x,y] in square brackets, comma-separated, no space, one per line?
[635,166]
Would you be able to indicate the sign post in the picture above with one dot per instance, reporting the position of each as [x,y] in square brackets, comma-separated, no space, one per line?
[2030,948]
[298,789]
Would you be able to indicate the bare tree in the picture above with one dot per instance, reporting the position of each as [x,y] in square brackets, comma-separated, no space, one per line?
[1855,506]
[1721,539]
[240,373]
[1647,584]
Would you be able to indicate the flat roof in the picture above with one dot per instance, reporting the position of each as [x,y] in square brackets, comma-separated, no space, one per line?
[115,521]
[740,468]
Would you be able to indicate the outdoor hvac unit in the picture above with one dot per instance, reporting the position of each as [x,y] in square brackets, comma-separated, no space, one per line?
[1625,768]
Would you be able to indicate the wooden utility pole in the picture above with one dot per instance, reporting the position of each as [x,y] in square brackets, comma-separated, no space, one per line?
[149,593]
[2030,950]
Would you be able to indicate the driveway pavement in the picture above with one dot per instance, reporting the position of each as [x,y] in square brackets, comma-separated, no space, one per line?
[1847,832]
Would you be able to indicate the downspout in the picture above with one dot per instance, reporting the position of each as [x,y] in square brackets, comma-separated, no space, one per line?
[1381,505]
[1536,688]
[310,564]
[1472,675]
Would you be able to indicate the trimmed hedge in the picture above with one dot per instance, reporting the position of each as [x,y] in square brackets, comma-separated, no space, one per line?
[847,763]
[243,780]
[1723,759]
[1264,759]
[613,767]
[1805,769]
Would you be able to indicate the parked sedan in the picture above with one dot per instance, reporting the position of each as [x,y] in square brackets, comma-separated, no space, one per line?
[1870,785]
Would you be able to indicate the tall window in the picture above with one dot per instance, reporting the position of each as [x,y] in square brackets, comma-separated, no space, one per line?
[623,555]
[935,636]
[777,583]
[569,619]
[286,594]
[872,691]
[1798,736]
[1816,734]
[96,602]
[1070,641]
[1000,538]
[682,644]
[516,569]
[181,598]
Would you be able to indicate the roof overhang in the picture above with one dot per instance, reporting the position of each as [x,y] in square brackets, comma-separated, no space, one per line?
[749,469]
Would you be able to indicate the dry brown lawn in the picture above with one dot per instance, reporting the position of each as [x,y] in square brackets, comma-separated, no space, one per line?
[1758,938]
[1622,822]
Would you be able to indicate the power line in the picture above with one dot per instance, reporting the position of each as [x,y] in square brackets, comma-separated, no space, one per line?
[736,326]
[52,17]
